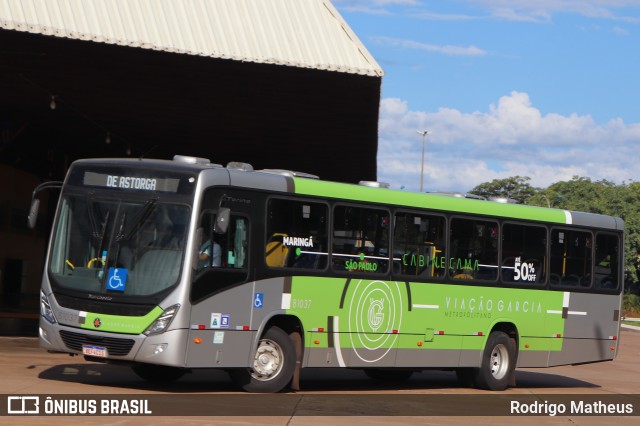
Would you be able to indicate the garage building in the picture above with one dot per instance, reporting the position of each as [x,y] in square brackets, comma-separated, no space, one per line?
[276,83]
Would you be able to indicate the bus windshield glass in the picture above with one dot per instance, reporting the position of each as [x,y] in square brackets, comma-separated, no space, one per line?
[118,247]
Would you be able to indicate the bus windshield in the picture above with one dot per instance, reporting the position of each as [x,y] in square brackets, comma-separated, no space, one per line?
[113,246]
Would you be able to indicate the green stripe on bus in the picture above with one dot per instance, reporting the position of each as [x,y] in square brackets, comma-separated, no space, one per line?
[427,201]
[120,323]
[375,313]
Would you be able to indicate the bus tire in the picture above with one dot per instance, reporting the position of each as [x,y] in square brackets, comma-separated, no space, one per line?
[498,362]
[272,366]
[158,373]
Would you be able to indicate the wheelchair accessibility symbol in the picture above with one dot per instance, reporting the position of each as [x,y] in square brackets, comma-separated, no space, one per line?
[258,300]
[117,279]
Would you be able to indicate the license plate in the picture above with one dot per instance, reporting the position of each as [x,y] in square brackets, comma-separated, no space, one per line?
[98,351]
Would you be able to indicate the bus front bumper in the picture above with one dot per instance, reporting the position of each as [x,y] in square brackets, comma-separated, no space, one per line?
[167,348]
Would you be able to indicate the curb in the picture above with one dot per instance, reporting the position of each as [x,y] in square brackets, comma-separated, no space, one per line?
[630,327]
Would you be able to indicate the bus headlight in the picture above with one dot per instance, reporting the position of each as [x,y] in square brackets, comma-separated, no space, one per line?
[163,321]
[45,308]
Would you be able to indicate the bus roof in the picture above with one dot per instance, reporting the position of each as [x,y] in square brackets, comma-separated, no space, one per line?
[242,174]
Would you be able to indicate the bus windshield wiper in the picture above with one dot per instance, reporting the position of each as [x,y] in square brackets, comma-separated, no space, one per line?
[138,220]
[97,232]
[92,219]
[123,222]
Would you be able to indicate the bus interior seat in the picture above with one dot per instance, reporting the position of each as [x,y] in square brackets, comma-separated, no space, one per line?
[607,282]
[276,253]
[571,280]
[585,281]
[465,274]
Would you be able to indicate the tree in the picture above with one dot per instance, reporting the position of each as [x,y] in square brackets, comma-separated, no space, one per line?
[515,188]
[629,198]
[581,194]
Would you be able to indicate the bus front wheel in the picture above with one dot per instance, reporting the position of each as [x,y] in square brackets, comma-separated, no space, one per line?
[498,362]
[272,365]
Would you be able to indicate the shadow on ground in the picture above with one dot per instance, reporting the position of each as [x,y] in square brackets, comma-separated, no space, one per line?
[312,380]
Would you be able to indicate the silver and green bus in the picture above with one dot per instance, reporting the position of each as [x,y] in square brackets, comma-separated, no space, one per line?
[184,265]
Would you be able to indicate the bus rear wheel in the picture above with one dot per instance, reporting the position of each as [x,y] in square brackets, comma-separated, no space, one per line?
[272,366]
[498,362]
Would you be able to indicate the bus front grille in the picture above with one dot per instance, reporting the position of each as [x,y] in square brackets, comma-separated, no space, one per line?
[106,308]
[115,346]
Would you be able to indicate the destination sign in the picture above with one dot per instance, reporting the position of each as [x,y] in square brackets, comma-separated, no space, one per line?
[143,183]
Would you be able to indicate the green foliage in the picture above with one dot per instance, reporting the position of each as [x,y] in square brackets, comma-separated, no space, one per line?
[631,305]
[515,188]
[581,194]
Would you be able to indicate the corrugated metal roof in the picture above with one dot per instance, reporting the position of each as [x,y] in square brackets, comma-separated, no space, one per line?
[299,33]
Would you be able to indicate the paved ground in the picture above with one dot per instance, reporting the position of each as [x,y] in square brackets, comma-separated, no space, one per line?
[27,369]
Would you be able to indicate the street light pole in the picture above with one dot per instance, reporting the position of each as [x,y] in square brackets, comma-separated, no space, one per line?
[548,203]
[424,134]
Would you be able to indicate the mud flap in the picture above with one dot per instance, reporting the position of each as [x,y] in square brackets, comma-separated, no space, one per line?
[296,339]
[512,378]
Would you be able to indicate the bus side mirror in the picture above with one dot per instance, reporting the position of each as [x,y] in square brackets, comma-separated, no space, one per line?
[33,213]
[222,220]
[35,202]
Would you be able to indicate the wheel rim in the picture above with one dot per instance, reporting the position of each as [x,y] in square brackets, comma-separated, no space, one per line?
[267,363]
[499,361]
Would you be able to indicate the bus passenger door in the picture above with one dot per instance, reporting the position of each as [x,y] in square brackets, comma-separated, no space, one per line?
[221,296]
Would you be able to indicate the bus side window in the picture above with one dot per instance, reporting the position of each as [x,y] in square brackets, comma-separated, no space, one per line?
[474,249]
[523,253]
[606,264]
[226,250]
[419,245]
[296,234]
[234,251]
[360,240]
[209,249]
[571,260]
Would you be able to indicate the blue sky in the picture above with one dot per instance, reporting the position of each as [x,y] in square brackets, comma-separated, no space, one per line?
[548,89]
